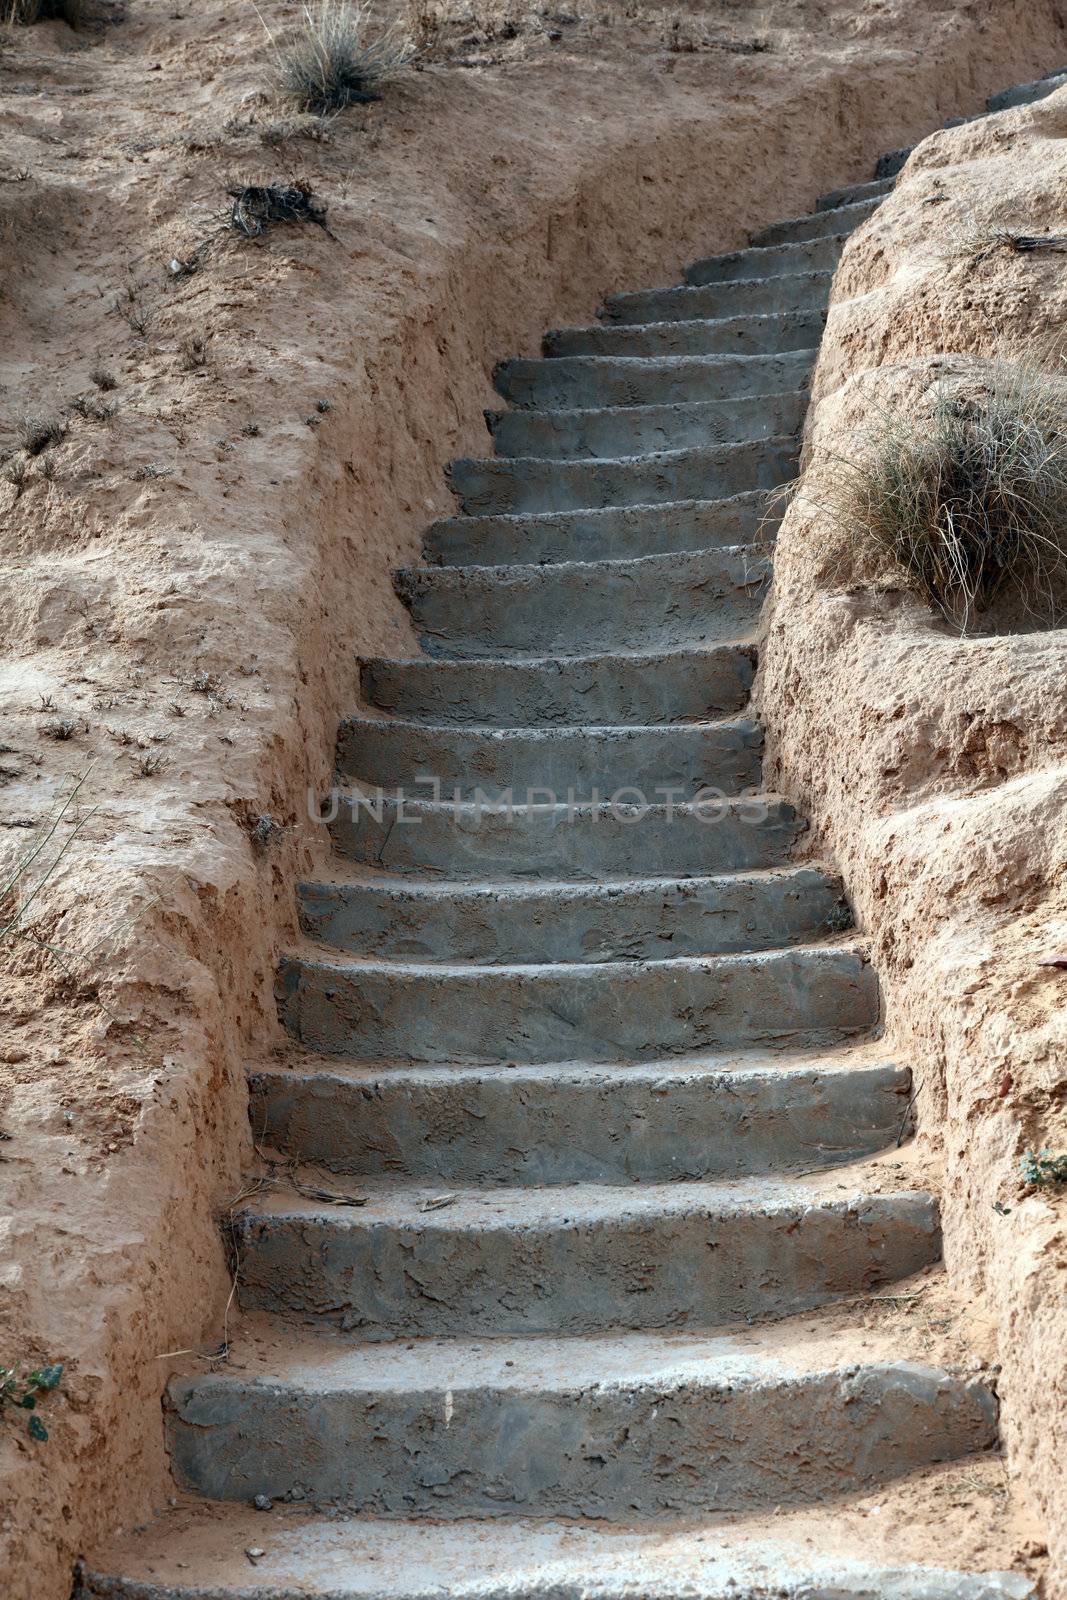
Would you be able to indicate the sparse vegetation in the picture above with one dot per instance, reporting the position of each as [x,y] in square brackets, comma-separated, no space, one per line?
[256,207]
[38,430]
[103,379]
[133,311]
[22,1390]
[971,501]
[193,351]
[264,832]
[16,473]
[340,57]
[151,764]
[1045,1169]
[92,409]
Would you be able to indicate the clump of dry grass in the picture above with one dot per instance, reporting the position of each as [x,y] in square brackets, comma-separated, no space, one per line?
[970,501]
[339,57]
[39,430]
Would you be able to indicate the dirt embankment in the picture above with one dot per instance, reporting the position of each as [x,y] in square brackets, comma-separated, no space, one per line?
[933,766]
[187,583]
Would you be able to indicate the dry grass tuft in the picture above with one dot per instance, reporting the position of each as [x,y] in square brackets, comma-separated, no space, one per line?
[38,431]
[971,501]
[340,57]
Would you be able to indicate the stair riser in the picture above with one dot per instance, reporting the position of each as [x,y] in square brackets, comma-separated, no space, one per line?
[593,1013]
[506,487]
[817,255]
[746,336]
[705,597]
[567,382]
[746,296]
[603,690]
[543,767]
[720,916]
[638,1270]
[846,219]
[641,430]
[604,535]
[557,842]
[854,192]
[520,1128]
[612,1453]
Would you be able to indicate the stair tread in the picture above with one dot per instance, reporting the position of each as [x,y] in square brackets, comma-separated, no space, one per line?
[817,1342]
[723,452]
[397,1202]
[618,730]
[501,572]
[323,956]
[580,414]
[862,1056]
[580,888]
[509,663]
[664,324]
[916,1536]
[641,508]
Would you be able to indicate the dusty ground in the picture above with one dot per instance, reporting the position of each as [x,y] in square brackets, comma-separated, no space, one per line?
[934,766]
[187,582]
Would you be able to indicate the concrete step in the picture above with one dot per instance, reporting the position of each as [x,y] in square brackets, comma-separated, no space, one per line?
[808,291]
[806,996]
[771,261]
[593,381]
[189,1553]
[603,840]
[710,1117]
[642,430]
[645,687]
[819,224]
[1027,94]
[577,607]
[645,919]
[610,1429]
[892,162]
[546,765]
[506,486]
[612,532]
[584,1259]
[877,189]
[745,335]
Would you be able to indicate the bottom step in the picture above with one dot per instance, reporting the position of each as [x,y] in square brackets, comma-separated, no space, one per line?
[897,1544]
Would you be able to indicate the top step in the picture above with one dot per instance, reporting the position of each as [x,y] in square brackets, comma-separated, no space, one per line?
[770,261]
[817,225]
[1026,94]
[892,162]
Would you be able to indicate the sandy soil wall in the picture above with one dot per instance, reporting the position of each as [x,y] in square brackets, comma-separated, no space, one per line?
[197,577]
[934,766]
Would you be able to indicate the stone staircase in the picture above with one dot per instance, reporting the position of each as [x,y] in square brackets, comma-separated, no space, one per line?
[591,1061]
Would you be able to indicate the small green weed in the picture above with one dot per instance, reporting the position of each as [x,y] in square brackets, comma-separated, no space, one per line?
[22,1390]
[1044,1169]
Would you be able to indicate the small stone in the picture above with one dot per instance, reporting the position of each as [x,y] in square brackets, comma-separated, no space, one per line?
[262,1502]
[254,1554]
